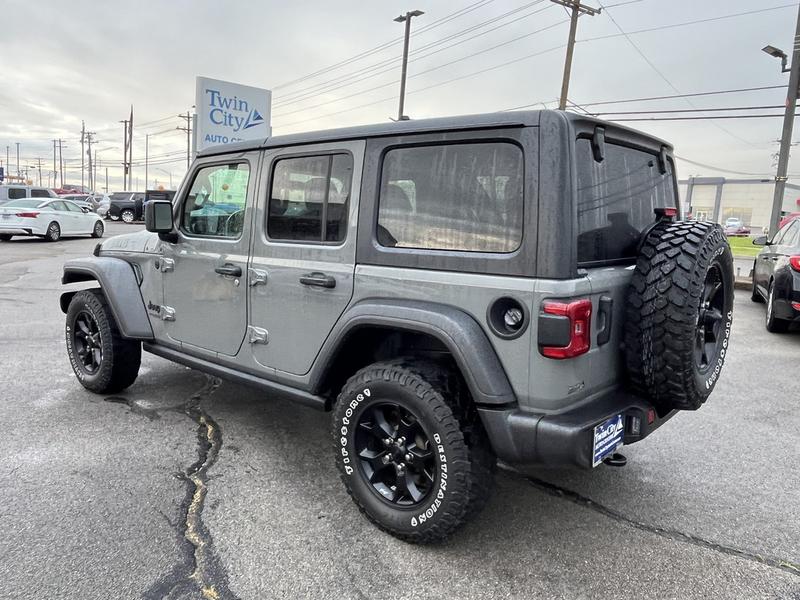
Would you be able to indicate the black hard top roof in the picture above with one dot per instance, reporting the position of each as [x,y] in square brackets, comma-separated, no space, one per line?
[527,118]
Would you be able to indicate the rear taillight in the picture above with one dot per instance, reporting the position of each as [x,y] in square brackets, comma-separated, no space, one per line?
[578,313]
[794,262]
[28,215]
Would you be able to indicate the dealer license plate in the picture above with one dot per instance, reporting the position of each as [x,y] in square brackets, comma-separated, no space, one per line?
[607,438]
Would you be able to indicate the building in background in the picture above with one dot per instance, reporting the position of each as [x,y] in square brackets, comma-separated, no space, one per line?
[719,198]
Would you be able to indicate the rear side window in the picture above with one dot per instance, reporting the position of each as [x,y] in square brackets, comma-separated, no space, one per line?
[791,237]
[16,193]
[309,198]
[616,199]
[465,197]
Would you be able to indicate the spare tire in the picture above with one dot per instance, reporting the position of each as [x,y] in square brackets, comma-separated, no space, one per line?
[679,314]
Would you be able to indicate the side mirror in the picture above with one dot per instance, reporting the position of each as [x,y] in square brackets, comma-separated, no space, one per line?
[760,241]
[158,219]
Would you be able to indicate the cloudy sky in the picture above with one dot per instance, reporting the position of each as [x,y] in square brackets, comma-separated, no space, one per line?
[67,61]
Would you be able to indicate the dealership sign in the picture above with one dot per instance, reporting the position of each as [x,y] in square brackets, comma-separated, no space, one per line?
[228,112]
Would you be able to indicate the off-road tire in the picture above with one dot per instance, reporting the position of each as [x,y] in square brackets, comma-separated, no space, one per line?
[5,238]
[53,232]
[464,460]
[98,230]
[121,358]
[665,308]
[772,323]
[127,215]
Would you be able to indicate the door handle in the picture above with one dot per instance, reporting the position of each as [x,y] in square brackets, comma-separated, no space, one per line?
[318,279]
[604,314]
[229,269]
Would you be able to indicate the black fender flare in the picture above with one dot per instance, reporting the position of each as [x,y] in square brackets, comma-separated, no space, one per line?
[120,286]
[459,332]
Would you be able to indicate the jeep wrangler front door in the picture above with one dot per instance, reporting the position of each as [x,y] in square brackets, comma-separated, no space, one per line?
[303,259]
[205,298]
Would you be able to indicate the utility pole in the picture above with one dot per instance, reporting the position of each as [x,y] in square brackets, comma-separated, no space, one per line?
[786,136]
[18,171]
[146,158]
[130,149]
[188,130]
[89,136]
[106,180]
[125,155]
[61,147]
[39,165]
[577,10]
[94,175]
[54,162]
[83,141]
[406,18]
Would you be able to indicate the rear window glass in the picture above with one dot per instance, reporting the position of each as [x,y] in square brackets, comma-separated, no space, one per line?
[616,199]
[23,204]
[452,197]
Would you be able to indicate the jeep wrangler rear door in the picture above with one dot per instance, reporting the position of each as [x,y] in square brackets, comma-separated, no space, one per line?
[303,253]
[205,299]
[618,189]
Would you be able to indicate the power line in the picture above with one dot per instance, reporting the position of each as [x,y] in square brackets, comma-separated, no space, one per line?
[509,62]
[385,45]
[708,117]
[684,110]
[665,79]
[430,70]
[378,68]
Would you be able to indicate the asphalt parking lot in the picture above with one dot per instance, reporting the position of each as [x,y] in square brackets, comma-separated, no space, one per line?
[95,500]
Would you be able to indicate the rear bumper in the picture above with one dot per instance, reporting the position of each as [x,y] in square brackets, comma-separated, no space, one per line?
[565,439]
[10,230]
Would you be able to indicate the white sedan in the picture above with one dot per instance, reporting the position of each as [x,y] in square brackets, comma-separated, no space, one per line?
[49,219]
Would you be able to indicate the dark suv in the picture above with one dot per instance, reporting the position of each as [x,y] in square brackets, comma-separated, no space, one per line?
[126,206]
[511,285]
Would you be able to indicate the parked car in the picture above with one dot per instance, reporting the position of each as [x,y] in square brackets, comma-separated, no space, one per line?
[776,276]
[735,227]
[18,192]
[49,219]
[452,297]
[788,218]
[126,206]
[102,202]
[72,189]
[82,200]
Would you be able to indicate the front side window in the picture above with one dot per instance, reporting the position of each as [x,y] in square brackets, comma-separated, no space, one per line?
[39,193]
[16,193]
[465,197]
[616,199]
[309,198]
[215,204]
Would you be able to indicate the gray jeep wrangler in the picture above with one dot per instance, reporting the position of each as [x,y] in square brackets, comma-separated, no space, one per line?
[455,291]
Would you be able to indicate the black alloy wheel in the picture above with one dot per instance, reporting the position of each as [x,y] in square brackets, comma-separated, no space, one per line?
[88,343]
[710,320]
[395,454]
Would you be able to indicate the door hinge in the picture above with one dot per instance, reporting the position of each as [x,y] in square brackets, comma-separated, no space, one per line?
[256,277]
[167,313]
[258,335]
[167,265]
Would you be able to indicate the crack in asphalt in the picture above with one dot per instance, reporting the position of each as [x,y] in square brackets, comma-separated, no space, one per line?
[200,569]
[135,407]
[670,534]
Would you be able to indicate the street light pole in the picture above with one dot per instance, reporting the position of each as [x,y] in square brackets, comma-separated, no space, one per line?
[146,158]
[786,135]
[406,18]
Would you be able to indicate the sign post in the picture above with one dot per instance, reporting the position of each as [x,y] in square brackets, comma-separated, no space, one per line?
[229,112]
